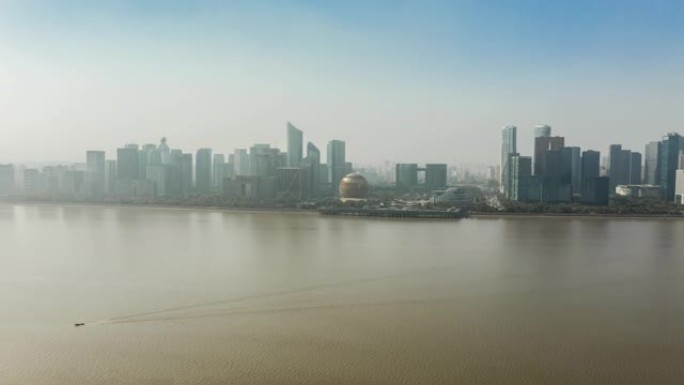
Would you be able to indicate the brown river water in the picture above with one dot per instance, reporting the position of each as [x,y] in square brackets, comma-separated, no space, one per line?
[182,296]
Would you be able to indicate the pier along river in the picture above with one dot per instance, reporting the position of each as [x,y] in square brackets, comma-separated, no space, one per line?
[184,296]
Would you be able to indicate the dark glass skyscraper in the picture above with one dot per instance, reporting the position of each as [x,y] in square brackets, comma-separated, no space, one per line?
[542,145]
[670,148]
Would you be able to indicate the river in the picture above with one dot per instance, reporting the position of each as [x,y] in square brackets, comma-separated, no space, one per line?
[185,296]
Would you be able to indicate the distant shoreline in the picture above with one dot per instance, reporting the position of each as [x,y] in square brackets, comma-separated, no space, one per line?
[273,210]
[573,215]
[168,206]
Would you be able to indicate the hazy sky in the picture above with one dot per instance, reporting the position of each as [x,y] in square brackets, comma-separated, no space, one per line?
[421,81]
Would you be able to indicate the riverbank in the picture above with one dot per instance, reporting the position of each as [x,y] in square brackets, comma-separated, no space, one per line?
[572,215]
[167,207]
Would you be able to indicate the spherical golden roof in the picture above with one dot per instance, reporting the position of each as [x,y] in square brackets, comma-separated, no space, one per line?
[354,186]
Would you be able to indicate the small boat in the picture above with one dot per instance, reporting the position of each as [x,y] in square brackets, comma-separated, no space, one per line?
[79,324]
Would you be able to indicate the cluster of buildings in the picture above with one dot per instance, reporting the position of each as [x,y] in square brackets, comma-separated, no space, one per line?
[560,173]
[157,171]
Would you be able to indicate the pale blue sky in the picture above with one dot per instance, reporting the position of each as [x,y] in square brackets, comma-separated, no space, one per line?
[423,81]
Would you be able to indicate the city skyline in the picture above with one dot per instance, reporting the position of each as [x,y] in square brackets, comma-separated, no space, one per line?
[80,74]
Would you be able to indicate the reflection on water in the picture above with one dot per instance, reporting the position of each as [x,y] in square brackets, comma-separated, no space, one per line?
[202,297]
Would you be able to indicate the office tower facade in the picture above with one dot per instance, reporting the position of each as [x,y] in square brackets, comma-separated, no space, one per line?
[679,186]
[337,163]
[218,170]
[313,159]
[164,151]
[635,168]
[615,168]
[542,130]
[95,173]
[111,176]
[203,170]
[7,177]
[521,173]
[241,162]
[406,175]
[186,173]
[436,176]
[156,175]
[651,163]
[542,145]
[596,190]
[509,146]
[571,172]
[670,148]
[591,164]
[295,144]
[127,164]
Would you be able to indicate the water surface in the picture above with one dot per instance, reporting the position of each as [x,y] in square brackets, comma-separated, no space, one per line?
[200,297]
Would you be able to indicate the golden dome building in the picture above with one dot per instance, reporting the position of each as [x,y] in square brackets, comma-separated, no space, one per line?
[353,187]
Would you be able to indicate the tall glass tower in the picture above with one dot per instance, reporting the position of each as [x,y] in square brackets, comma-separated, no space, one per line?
[508,148]
[295,144]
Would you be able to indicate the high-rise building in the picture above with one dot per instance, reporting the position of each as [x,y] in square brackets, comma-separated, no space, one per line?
[616,168]
[521,173]
[157,176]
[596,190]
[668,156]
[406,174]
[591,164]
[571,168]
[651,163]
[635,168]
[509,147]
[542,130]
[111,176]
[436,176]
[337,163]
[295,144]
[127,163]
[186,175]
[542,145]
[95,173]
[164,152]
[203,170]
[313,159]
[219,170]
[241,162]
[7,177]
[679,186]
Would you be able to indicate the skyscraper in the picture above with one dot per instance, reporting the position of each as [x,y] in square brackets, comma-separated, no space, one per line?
[203,170]
[337,162]
[127,161]
[218,172]
[591,164]
[635,168]
[95,173]
[186,175]
[508,147]
[241,162]
[542,145]
[651,163]
[436,176]
[521,173]
[295,145]
[670,149]
[542,130]
[406,175]
[313,159]
[615,166]
[572,168]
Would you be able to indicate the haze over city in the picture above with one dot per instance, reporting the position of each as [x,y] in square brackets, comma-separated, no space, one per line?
[430,80]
